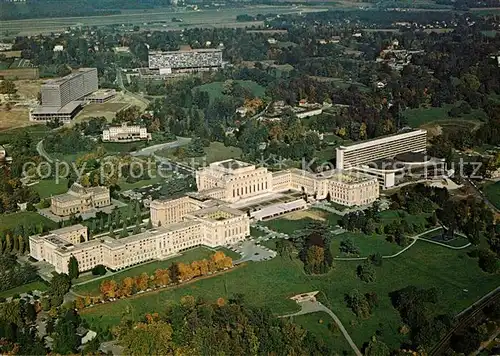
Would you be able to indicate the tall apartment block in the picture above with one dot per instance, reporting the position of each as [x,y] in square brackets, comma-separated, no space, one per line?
[62,98]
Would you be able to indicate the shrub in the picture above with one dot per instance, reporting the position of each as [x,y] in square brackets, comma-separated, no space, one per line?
[99,270]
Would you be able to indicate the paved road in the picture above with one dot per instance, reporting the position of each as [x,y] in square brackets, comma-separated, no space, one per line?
[41,151]
[481,195]
[313,306]
[119,80]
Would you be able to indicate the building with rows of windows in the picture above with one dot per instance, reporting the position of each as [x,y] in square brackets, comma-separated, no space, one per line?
[205,223]
[79,199]
[233,180]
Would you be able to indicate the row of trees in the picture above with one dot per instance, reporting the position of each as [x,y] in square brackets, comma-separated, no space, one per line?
[176,273]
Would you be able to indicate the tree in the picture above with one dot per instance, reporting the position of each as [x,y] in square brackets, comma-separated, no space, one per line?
[73,270]
[366,272]
[59,286]
[348,247]
[315,258]
[142,281]
[153,338]
[376,348]
[65,337]
[127,286]
[358,303]
[376,259]
[99,270]
[109,289]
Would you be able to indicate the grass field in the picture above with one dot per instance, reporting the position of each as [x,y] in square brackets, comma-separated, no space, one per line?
[142,183]
[14,118]
[225,17]
[10,221]
[317,324]
[299,220]
[49,187]
[492,192]
[37,285]
[273,282]
[107,110]
[37,132]
[422,116]
[198,253]
[215,89]
[213,153]
[367,244]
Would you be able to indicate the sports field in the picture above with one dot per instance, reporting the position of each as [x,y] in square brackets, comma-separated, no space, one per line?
[458,279]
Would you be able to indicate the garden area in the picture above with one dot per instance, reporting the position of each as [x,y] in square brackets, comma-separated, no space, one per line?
[199,253]
[25,218]
[299,220]
[49,187]
[216,151]
[457,278]
[29,287]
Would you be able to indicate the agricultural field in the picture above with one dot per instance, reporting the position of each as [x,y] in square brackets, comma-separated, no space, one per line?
[10,221]
[215,89]
[199,253]
[492,192]
[457,278]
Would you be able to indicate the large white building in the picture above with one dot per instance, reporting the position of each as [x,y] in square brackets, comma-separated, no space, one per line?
[206,223]
[125,133]
[62,98]
[233,181]
[392,159]
[185,60]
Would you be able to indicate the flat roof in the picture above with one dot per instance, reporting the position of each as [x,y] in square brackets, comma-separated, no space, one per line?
[200,50]
[66,109]
[232,164]
[68,77]
[383,139]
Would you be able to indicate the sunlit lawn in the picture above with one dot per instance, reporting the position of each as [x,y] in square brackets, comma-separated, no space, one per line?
[37,285]
[273,282]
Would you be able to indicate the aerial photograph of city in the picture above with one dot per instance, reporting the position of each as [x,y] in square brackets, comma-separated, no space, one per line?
[250,177]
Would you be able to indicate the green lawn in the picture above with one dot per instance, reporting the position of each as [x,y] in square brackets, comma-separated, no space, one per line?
[288,226]
[492,192]
[213,153]
[10,221]
[142,183]
[272,283]
[198,253]
[123,147]
[37,132]
[49,187]
[387,216]
[367,244]
[317,324]
[37,285]
[215,89]
[423,115]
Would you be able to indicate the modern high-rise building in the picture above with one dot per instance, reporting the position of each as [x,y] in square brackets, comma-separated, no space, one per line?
[62,98]
[381,148]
